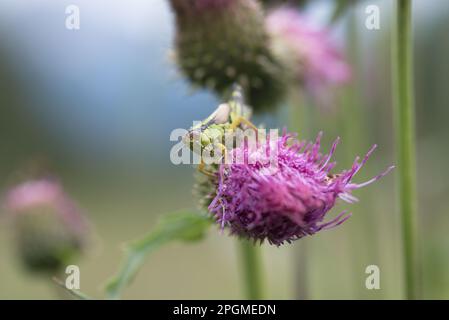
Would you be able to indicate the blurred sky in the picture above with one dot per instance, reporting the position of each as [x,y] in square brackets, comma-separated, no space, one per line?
[109,90]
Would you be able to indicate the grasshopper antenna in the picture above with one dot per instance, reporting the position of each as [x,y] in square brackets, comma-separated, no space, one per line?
[237,94]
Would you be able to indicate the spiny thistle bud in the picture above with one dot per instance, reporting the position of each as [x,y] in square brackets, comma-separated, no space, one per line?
[286,202]
[205,188]
[308,53]
[222,42]
[49,228]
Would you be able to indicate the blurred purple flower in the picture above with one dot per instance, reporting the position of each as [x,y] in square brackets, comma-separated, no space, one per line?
[308,51]
[50,228]
[285,202]
[45,193]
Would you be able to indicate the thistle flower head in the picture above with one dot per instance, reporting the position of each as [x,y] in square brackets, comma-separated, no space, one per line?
[286,202]
[50,229]
[309,52]
[222,42]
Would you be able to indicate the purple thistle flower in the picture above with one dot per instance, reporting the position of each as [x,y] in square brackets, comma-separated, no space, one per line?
[309,51]
[284,203]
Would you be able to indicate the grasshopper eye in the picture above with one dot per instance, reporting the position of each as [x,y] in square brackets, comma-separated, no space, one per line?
[195,136]
[192,136]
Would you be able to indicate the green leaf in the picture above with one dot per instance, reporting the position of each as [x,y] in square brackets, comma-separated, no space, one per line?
[184,226]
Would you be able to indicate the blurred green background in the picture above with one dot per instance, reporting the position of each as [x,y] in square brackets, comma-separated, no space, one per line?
[96,107]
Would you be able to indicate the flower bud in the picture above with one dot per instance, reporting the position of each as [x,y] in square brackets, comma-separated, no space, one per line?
[49,228]
[222,42]
[204,189]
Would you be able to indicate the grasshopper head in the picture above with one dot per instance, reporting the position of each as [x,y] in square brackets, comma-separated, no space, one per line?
[197,139]
[193,139]
[209,130]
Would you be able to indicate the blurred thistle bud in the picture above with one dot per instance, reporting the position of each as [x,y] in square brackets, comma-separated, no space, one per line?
[49,228]
[308,53]
[222,42]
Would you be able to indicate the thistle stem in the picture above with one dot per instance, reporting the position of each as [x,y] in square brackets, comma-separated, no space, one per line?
[405,139]
[301,121]
[252,270]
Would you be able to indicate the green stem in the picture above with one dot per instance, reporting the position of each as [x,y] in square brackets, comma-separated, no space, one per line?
[353,130]
[405,133]
[300,117]
[351,111]
[64,293]
[252,269]
[301,121]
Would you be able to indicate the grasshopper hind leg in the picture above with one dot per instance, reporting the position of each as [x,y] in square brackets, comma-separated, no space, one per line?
[238,121]
[202,169]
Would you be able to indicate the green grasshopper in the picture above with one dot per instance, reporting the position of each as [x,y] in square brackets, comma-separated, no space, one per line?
[226,118]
